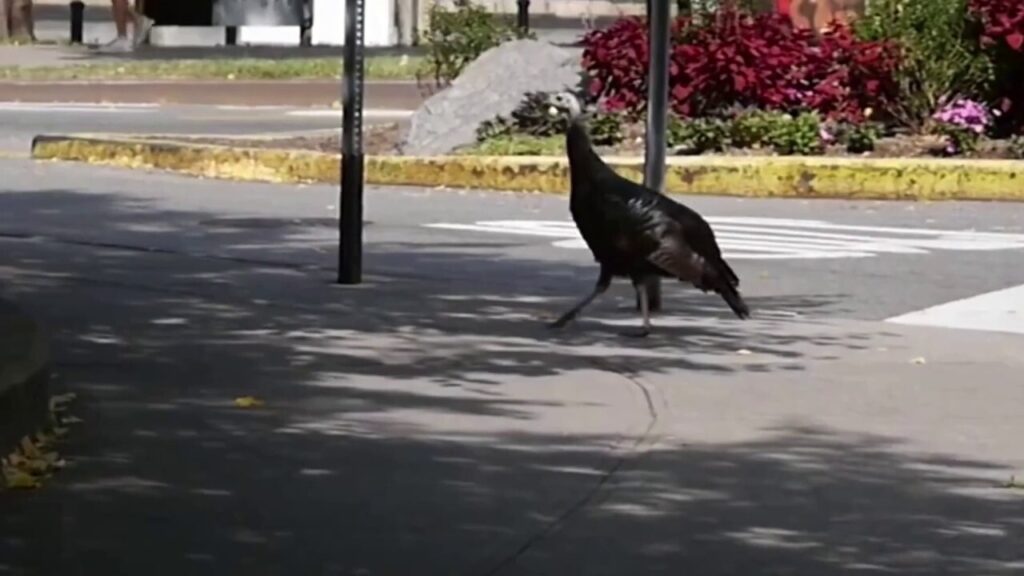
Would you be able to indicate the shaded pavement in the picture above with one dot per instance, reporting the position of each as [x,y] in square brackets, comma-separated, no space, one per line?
[426,422]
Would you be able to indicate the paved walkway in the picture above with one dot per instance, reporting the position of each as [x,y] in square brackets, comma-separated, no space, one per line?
[426,422]
[379,95]
[402,95]
[24,363]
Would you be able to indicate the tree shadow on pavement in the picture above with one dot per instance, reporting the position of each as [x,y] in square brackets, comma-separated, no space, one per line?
[802,500]
[425,421]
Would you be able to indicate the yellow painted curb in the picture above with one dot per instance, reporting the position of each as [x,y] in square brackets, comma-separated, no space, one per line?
[765,176]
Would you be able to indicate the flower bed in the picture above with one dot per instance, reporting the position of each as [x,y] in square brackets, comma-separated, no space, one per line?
[384,140]
[735,59]
[923,77]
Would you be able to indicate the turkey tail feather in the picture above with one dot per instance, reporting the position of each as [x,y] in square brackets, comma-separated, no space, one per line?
[724,281]
[733,278]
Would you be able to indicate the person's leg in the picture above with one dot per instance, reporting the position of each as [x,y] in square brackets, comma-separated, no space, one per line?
[141,24]
[122,12]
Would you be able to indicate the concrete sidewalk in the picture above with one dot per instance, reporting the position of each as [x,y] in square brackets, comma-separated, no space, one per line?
[24,375]
[401,431]
[401,95]
[415,425]
[379,95]
[426,422]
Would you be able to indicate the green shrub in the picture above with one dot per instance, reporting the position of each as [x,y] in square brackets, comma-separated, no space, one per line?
[801,135]
[533,117]
[494,128]
[519,145]
[752,128]
[458,36]
[941,54]
[859,138]
[1016,147]
[606,128]
[698,135]
[778,131]
[959,141]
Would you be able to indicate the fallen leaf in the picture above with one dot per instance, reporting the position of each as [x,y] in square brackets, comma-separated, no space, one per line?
[36,466]
[29,449]
[248,402]
[64,398]
[60,402]
[17,480]
[44,439]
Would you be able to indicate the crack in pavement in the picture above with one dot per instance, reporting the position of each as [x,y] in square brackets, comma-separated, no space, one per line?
[601,490]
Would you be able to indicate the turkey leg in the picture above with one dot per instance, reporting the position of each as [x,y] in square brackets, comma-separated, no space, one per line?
[603,282]
[641,285]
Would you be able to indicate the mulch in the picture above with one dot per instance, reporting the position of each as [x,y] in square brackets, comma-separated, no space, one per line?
[383,139]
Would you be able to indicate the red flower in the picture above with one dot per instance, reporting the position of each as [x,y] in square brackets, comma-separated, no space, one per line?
[738,59]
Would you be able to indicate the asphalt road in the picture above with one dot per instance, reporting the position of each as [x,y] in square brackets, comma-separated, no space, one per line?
[426,422]
[835,259]
[23,121]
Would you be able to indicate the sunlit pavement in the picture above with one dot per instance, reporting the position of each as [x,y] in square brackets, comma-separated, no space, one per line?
[868,417]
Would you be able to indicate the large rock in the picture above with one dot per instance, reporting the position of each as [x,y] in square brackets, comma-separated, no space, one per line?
[492,84]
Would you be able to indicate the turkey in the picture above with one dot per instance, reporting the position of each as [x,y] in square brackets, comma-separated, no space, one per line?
[636,232]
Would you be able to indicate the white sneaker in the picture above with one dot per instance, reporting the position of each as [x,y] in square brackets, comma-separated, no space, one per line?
[118,45]
[142,28]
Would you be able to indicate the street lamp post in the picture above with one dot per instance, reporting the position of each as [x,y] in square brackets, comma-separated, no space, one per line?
[350,219]
[77,20]
[523,16]
[659,26]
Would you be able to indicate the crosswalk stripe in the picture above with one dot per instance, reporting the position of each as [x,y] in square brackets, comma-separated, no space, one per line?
[87,108]
[782,238]
[999,311]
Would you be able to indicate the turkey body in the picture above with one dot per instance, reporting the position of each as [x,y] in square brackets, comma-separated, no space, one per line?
[636,232]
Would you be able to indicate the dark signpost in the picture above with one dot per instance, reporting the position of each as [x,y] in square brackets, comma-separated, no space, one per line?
[659,25]
[523,15]
[77,20]
[350,220]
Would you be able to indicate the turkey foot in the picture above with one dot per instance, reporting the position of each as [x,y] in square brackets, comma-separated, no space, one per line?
[603,282]
[643,332]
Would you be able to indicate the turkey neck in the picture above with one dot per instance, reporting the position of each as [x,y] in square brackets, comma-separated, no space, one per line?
[584,164]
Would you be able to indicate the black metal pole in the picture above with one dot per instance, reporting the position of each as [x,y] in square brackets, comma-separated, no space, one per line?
[523,15]
[303,9]
[659,26]
[350,221]
[77,21]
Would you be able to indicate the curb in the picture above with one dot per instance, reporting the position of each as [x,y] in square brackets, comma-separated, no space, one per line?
[746,176]
[24,375]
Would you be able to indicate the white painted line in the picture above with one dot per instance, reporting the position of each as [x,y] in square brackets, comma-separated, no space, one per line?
[336,113]
[779,238]
[820,224]
[74,107]
[244,107]
[81,104]
[999,311]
